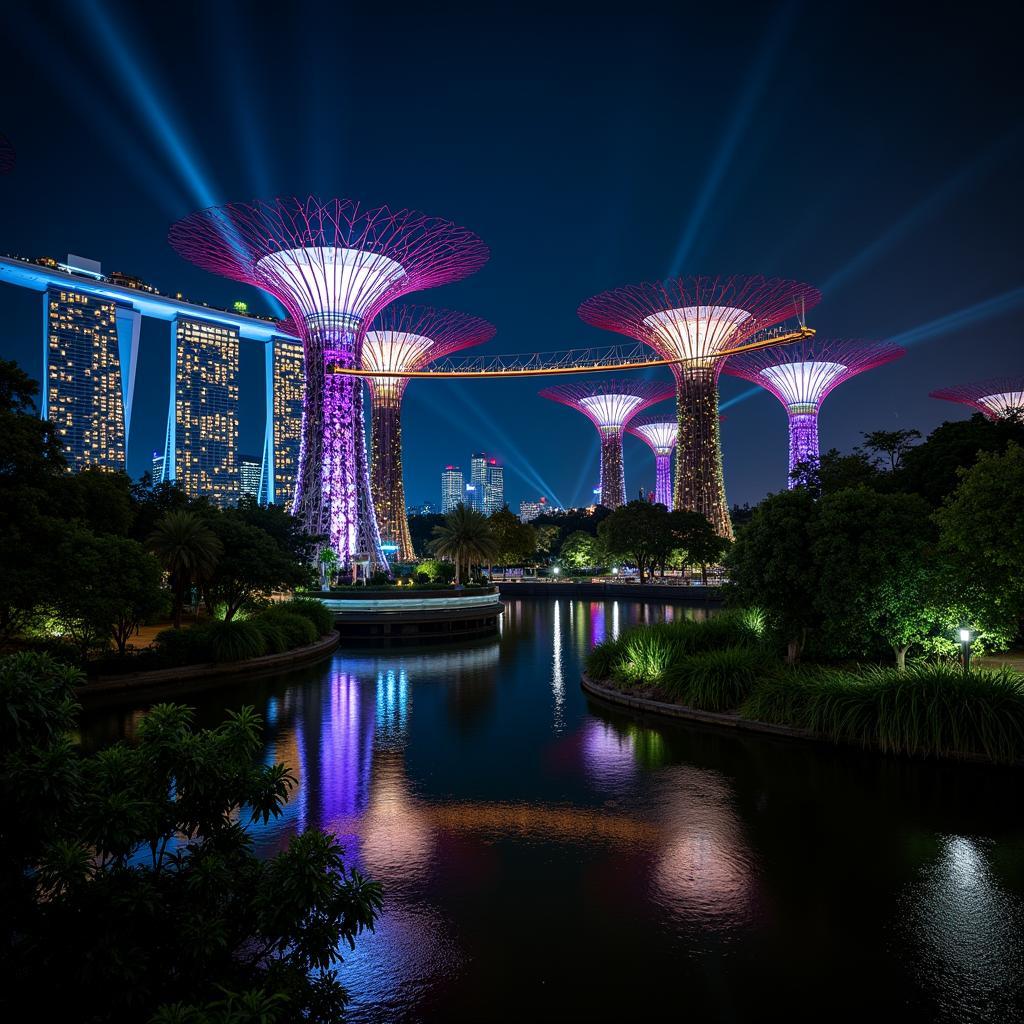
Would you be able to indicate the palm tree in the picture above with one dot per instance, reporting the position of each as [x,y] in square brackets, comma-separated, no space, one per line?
[466,537]
[187,548]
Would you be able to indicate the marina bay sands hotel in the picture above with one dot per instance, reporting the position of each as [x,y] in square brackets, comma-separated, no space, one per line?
[91,327]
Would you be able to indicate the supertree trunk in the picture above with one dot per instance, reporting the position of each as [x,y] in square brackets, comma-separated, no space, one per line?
[386,482]
[699,483]
[663,479]
[803,441]
[613,476]
[333,492]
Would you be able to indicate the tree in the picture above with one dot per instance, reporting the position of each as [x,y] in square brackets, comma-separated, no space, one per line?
[283,528]
[188,549]
[876,572]
[771,566]
[982,533]
[111,585]
[894,444]
[835,472]
[421,530]
[130,887]
[251,566]
[692,532]
[637,532]
[466,537]
[580,551]
[515,542]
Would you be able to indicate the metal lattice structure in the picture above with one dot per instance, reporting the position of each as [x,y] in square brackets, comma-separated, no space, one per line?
[334,264]
[697,321]
[7,155]
[801,376]
[998,398]
[610,405]
[660,435]
[404,337]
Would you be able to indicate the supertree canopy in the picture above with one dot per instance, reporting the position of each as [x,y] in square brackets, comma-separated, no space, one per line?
[334,264]
[7,157]
[699,319]
[801,375]
[404,338]
[661,435]
[610,405]
[997,398]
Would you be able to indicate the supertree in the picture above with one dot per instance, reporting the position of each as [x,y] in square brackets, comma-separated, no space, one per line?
[801,375]
[699,319]
[997,399]
[404,338]
[660,435]
[334,264]
[7,156]
[610,405]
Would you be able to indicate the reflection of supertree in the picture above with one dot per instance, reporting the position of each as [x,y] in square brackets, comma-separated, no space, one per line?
[7,157]
[661,436]
[699,319]
[801,375]
[334,265]
[997,398]
[610,405]
[404,338]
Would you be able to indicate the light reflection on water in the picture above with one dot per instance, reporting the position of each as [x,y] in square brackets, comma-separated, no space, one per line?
[517,829]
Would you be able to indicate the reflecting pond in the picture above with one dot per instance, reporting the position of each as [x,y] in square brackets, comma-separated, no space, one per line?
[544,857]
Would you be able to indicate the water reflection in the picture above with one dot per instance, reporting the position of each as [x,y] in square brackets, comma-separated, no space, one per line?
[557,675]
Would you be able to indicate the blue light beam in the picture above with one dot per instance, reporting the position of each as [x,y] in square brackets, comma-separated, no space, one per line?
[1005,303]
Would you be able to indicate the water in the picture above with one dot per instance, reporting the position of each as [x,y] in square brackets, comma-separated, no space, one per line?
[544,857]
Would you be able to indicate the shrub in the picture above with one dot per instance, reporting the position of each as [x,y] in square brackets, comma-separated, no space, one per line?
[925,709]
[438,572]
[315,611]
[379,579]
[297,630]
[188,646]
[600,659]
[717,680]
[235,641]
[420,578]
[646,653]
[272,632]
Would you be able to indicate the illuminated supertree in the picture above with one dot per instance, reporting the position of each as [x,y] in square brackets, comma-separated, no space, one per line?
[610,405]
[7,157]
[334,264]
[661,435]
[699,319]
[997,399]
[801,375]
[404,338]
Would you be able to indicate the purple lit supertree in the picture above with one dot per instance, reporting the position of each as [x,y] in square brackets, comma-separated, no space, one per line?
[7,155]
[997,399]
[404,338]
[699,319]
[801,375]
[334,264]
[660,435]
[610,405]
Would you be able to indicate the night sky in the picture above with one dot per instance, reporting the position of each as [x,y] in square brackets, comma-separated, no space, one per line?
[871,152]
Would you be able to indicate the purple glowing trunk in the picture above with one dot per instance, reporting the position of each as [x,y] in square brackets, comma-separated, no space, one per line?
[613,477]
[803,440]
[332,496]
[663,479]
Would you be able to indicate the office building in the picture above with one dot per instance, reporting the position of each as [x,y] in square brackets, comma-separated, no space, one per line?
[89,356]
[250,473]
[285,369]
[494,487]
[530,510]
[158,468]
[476,489]
[452,488]
[201,451]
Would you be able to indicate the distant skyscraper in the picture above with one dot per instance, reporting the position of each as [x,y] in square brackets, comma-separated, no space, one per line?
[285,386]
[250,473]
[452,488]
[476,492]
[158,467]
[494,488]
[201,451]
[89,356]
[530,510]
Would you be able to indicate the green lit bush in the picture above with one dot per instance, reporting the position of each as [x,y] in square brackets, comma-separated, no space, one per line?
[235,640]
[925,709]
[717,680]
[315,611]
[297,630]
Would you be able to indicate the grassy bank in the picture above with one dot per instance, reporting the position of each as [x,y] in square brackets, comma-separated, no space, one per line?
[724,664]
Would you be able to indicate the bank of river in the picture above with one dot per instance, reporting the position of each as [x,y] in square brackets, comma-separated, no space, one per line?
[547,857]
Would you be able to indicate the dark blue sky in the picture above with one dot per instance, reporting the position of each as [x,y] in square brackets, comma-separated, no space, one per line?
[871,151]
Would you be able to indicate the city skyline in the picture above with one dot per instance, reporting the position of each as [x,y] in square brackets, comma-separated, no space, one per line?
[893,263]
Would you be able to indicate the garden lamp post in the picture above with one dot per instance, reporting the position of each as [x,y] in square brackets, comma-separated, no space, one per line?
[965,648]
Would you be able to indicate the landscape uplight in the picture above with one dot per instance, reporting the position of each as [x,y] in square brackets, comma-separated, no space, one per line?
[965,647]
